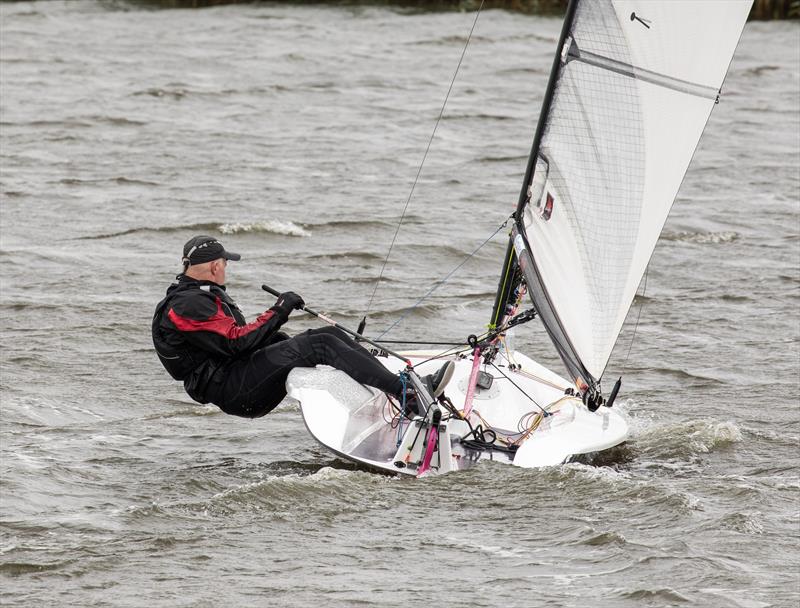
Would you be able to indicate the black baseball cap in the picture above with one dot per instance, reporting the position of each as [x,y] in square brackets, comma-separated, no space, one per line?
[201,249]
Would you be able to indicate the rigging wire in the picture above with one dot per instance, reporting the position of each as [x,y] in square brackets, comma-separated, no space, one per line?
[441,282]
[424,156]
[450,352]
[638,316]
[422,343]
[545,413]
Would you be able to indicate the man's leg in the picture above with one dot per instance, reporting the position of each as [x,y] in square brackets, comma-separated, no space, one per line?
[331,346]
[253,386]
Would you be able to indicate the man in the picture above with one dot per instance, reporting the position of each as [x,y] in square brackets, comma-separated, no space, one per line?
[202,339]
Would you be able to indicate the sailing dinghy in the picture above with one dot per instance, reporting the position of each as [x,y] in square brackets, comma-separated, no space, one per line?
[632,86]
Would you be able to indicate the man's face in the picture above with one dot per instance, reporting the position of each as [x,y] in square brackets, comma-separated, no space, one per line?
[218,271]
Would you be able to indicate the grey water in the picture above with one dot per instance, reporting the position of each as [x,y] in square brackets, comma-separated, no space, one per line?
[294,134]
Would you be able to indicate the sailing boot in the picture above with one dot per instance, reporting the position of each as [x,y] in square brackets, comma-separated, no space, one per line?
[436,382]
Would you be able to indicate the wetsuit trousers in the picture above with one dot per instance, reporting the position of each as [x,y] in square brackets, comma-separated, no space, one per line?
[254,385]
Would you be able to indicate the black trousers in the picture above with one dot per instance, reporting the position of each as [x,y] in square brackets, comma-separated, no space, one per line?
[254,385]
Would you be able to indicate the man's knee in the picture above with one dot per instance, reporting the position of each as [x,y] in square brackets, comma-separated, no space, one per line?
[330,331]
[324,347]
[331,337]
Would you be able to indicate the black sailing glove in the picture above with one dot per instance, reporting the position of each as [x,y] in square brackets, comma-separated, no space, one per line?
[287,302]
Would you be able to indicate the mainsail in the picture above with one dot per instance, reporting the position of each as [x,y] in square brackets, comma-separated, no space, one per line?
[632,87]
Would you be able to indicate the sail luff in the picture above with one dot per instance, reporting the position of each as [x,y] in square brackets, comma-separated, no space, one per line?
[524,195]
[505,289]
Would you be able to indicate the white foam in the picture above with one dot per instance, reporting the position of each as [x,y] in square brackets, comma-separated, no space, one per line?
[272,226]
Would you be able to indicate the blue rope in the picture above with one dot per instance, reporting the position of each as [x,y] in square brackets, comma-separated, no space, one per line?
[440,283]
[403,380]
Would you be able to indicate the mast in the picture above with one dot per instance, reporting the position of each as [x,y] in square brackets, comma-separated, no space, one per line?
[506,285]
[555,71]
[518,252]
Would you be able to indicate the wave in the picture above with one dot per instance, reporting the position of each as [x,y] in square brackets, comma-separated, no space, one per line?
[448,40]
[761,69]
[687,440]
[481,116]
[25,568]
[187,410]
[362,256]
[270,226]
[121,180]
[745,523]
[701,238]
[116,121]
[604,538]
[144,230]
[289,493]
[285,228]
[40,306]
[176,93]
[653,596]
[684,376]
[363,280]
[82,122]
[46,123]
[500,159]
[352,224]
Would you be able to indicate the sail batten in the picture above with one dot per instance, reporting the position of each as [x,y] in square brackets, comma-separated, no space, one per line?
[633,71]
[632,87]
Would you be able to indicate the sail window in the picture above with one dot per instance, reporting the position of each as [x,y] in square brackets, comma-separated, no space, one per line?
[547,208]
[536,188]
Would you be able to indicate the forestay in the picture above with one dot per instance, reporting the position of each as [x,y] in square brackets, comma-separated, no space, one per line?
[633,85]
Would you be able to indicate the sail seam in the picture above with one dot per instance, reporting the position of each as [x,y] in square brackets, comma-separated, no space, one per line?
[632,71]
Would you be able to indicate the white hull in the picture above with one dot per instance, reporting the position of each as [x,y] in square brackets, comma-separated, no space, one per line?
[353,420]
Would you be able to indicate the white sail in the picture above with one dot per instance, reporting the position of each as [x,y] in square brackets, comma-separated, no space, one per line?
[636,83]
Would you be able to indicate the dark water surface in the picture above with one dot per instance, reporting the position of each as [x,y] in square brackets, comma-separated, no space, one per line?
[295,133]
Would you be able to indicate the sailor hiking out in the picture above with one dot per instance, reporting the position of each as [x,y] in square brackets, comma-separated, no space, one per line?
[202,339]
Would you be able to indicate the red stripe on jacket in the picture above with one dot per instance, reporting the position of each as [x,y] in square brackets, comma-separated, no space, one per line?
[219,323]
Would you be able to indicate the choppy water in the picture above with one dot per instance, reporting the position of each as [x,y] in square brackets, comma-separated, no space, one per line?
[295,133]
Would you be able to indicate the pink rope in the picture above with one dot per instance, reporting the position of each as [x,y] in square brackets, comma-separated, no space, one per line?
[433,437]
[473,380]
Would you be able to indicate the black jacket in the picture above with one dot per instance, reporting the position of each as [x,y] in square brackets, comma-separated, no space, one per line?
[198,329]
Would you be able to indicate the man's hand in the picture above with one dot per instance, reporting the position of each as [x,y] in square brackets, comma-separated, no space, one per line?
[287,302]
